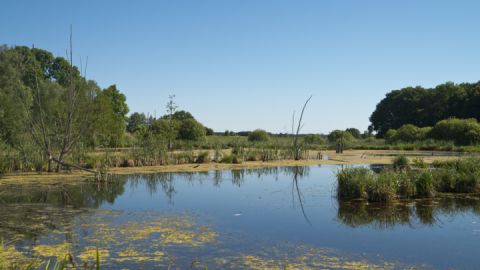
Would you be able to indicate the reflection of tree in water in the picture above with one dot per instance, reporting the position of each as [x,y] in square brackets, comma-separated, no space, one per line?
[296,173]
[423,212]
[31,211]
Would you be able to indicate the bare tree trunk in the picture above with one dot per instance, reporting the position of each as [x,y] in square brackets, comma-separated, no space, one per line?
[296,147]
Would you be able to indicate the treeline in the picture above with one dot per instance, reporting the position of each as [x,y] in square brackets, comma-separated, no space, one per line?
[424,107]
[49,111]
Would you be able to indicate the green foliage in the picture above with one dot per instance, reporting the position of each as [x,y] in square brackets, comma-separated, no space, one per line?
[424,107]
[458,176]
[313,139]
[407,133]
[203,157]
[45,103]
[232,159]
[400,163]
[190,129]
[352,182]
[384,187]
[209,131]
[424,184]
[355,132]
[258,135]
[337,136]
[112,107]
[461,131]
[135,121]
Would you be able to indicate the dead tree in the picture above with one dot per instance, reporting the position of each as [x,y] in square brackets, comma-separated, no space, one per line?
[57,132]
[297,149]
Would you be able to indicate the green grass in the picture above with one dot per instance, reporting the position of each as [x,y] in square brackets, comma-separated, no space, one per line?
[459,176]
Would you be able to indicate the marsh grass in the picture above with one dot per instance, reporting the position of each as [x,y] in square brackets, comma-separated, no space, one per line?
[459,176]
[400,163]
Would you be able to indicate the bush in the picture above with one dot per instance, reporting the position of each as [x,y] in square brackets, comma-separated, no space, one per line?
[337,136]
[407,133]
[203,157]
[232,159]
[354,132]
[191,130]
[461,131]
[258,135]
[313,139]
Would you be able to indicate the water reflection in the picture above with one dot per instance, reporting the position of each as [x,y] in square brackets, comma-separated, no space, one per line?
[412,213]
[29,212]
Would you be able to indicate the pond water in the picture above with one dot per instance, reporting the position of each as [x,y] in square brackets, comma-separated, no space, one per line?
[275,218]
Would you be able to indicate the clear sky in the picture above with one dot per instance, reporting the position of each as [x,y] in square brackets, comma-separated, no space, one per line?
[246,64]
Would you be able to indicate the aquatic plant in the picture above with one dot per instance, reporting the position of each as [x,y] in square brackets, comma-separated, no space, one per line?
[400,162]
[459,176]
[383,187]
[353,182]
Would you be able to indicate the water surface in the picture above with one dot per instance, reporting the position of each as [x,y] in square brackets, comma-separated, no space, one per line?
[254,219]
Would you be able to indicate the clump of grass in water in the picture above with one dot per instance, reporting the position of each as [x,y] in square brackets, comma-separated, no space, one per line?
[353,182]
[400,163]
[460,176]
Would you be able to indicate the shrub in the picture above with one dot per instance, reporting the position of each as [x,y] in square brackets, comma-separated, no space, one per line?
[191,130]
[354,132]
[461,131]
[258,135]
[233,159]
[313,139]
[340,136]
[407,133]
[203,157]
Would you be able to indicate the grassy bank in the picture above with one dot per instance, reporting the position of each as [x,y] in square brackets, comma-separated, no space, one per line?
[418,180]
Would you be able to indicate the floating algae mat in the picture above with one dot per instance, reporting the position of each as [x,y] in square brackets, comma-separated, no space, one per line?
[274,218]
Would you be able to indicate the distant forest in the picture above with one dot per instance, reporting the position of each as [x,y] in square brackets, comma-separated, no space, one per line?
[424,107]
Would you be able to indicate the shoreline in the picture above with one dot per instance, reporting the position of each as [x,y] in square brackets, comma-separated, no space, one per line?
[350,157]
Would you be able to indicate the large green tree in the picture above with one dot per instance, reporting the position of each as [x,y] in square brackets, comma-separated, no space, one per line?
[424,107]
[45,101]
[112,106]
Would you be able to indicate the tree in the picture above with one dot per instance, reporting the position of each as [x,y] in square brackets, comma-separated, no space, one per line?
[340,136]
[112,109]
[313,139]
[191,130]
[424,107]
[208,131]
[171,131]
[355,132]
[177,115]
[135,121]
[46,102]
[259,135]
[297,148]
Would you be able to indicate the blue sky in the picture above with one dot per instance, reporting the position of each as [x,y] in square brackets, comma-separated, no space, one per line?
[246,64]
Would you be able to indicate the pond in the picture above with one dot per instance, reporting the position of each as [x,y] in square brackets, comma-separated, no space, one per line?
[274,218]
